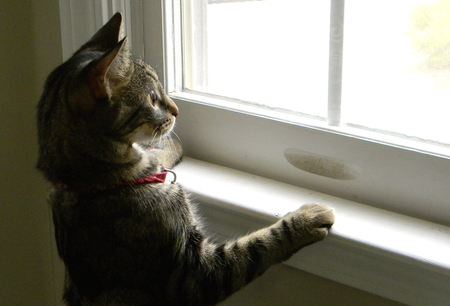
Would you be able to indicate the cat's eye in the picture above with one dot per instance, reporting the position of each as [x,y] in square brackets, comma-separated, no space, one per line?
[153,97]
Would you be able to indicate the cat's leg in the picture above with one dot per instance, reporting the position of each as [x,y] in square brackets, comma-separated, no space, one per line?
[249,256]
[228,267]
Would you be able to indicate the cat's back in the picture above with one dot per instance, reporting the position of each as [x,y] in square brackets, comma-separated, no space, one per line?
[111,236]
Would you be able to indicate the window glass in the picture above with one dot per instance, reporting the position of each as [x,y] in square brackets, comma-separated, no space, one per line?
[272,53]
[396,75]
[275,53]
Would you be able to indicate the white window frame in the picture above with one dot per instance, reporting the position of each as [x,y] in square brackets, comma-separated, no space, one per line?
[404,192]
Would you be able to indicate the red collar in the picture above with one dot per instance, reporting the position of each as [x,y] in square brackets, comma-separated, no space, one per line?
[150,179]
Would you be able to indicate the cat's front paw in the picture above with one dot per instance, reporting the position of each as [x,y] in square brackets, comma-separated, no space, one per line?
[312,222]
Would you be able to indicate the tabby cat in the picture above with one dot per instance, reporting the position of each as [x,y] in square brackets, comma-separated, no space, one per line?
[125,236]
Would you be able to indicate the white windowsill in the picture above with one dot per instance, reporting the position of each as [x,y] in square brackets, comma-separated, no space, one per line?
[388,254]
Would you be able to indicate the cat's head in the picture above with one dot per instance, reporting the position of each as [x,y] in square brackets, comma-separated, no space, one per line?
[102,100]
[123,93]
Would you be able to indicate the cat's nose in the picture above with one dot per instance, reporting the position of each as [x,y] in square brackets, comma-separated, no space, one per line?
[173,108]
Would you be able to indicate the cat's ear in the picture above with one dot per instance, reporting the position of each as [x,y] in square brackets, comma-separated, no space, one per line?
[110,71]
[107,37]
[101,78]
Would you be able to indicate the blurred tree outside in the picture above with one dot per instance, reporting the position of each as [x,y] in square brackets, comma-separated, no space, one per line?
[430,33]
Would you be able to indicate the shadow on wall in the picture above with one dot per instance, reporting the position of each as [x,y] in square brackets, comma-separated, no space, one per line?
[26,268]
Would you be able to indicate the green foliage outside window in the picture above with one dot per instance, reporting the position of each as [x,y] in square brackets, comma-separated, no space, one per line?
[430,33]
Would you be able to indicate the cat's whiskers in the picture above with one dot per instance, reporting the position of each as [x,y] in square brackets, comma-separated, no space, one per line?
[168,143]
[154,136]
[173,133]
[171,145]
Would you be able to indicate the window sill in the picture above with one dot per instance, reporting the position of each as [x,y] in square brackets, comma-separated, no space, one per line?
[388,254]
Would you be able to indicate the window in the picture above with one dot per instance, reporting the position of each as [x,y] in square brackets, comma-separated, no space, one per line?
[279,54]
[387,172]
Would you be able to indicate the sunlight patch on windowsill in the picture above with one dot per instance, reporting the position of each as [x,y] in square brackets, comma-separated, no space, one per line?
[388,254]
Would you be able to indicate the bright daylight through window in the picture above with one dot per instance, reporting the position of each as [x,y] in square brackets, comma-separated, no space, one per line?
[275,54]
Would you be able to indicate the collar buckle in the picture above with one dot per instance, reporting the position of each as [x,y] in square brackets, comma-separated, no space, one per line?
[171,172]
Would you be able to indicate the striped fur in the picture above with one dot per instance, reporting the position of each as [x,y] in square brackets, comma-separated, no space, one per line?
[138,244]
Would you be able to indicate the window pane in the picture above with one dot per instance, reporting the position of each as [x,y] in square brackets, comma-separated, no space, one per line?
[272,53]
[396,75]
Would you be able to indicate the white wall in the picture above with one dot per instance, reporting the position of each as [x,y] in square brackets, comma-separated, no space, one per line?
[286,286]
[29,274]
